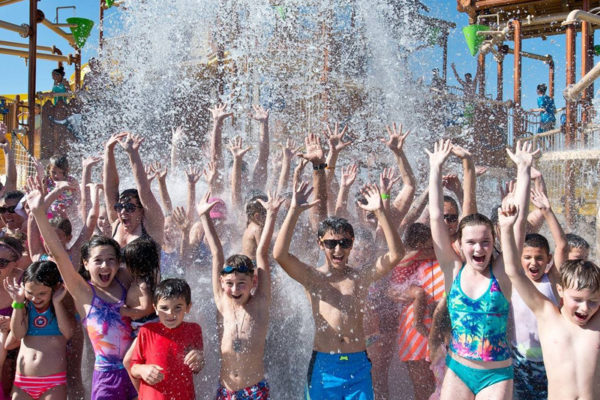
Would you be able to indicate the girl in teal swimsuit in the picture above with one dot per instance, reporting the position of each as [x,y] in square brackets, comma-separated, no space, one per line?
[478,361]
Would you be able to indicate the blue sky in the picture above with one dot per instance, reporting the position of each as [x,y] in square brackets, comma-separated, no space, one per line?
[14,70]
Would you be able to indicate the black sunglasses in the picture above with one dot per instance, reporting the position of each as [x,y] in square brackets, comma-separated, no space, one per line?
[243,269]
[128,207]
[331,243]
[11,209]
[4,262]
[450,217]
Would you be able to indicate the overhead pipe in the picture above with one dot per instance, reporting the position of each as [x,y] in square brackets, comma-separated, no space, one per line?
[26,46]
[572,92]
[546,58]
[22,29]
[69,59]
[67,36]
[580,15]
[546,19]
[7,2]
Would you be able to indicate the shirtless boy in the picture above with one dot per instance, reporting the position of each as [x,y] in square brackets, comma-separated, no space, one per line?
[242,296]
[570,336]
[337,292]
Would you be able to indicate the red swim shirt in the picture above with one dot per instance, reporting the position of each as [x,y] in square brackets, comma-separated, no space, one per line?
[159,345]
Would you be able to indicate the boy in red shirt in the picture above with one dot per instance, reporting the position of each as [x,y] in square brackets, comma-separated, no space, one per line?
[166,353]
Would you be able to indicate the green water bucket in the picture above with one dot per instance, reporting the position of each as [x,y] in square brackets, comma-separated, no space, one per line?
[472,38]
[82,31]
[109,3]
[597,50]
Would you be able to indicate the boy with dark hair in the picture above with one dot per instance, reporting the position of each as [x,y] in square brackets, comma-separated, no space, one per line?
[339,367]
[579,248]
[166,353]
[242,292]
[569,336]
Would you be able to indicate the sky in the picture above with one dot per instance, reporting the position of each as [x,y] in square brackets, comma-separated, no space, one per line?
[14,69]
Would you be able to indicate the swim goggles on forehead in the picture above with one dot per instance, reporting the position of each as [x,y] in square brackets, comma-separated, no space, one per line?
[128,207]
[332,243]
[243,269]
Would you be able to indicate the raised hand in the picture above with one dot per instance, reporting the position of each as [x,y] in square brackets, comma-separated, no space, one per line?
[396,139]
[480,170]
[300,197]
[507,215]
[131,142]
[387,180]
[34,196]
[273,202]
[373,196]
[460,152]
[150,172]
[260,114]
[114,139]
[177,134]
[523,154]
[335,139]
[314,150]
[39,168]
[235,147]
[193,174]
[90,161]
[66,185]
[540,200]
[15,289]
[452,183]
[210,172]
[289,149]
[59,294]
[441,151]
[349,174]
[181,218]
[204,207]
[160,170]
[220,112]
[507,192]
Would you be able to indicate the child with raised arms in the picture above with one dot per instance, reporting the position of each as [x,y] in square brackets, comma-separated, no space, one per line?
[478,290]
[98,298]
[167,353]
[339,365]
[570,336]
[242,296]
[42,324]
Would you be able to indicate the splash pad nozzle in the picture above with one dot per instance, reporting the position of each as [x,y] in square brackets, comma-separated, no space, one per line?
[82,31]
[474,40]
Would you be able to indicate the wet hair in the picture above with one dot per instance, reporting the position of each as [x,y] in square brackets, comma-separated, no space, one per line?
[128,194]
[63,224]
[468,75]
[416,235]
[253,207]
[43,272]
[579,275]
[95,241]
[172,289]
[13,244]
[61,162]
[239,260]
[336,225]
[475,219]
[542,88]
[537,241]
[576,242]
[13,195]
[142,257]
[60,70]
[449,199]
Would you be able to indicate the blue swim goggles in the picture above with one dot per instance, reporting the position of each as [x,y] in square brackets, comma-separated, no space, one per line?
[243,269]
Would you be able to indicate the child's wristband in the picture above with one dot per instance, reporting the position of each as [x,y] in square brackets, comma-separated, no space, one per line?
[319,167]
[17,306]
[385,196]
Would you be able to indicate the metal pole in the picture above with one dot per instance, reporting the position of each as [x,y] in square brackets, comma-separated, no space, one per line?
[551,78]
[32,70]
[445,60]
[517,78]
[570,127]
[101,25]
[26,46]
[481,76]
[44,56]
[500,79]
[78,70]
[585,61]
[22,30]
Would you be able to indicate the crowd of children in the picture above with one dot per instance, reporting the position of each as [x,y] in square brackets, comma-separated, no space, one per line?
[475,307]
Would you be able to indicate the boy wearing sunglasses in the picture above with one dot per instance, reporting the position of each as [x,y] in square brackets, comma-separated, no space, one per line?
[242,292]
[339,366]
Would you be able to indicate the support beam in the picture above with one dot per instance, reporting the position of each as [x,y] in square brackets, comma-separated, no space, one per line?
[586,62]
[7,2]
[516,24]
[56,29]
[445,60]
[500,79]
[22,30]
[26,46]
[551,78]
[570,128]
[32,65]
[26,54]
[481,74]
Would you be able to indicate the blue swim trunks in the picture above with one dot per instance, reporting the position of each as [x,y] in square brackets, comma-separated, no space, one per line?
[341,376]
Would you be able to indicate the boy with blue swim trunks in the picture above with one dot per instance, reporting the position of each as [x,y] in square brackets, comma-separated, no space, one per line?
[339,368]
